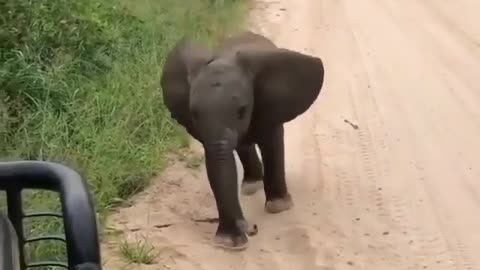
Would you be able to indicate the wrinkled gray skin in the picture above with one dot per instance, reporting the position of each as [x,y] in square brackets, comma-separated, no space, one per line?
[232,98]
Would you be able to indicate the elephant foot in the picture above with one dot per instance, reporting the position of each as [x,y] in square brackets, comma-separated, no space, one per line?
[251,187]
[231,242]
[279,205]
[236,238]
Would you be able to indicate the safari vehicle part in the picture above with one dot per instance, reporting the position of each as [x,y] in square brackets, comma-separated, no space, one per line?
[81,237]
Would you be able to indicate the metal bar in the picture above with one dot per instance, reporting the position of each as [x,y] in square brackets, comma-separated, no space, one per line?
[46,237]
[43,264]
[15,214]
[43,214]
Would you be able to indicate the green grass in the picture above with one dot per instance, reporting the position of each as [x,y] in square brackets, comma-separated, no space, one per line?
[79,84]
[139,252]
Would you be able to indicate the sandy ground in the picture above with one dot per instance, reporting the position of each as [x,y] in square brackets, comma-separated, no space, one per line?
[381,169]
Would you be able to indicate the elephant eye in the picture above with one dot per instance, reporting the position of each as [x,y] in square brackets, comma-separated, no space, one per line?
[241,112]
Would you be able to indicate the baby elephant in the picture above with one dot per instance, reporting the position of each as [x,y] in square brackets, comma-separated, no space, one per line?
[230,99]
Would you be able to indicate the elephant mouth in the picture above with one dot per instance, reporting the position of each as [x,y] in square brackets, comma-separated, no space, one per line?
[228,141]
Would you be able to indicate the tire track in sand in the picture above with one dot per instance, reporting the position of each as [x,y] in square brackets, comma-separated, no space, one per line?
[433,242]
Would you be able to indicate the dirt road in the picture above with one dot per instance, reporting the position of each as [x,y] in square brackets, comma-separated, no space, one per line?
[383,169]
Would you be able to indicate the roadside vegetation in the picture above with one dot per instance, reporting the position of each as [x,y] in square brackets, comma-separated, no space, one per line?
[79,84]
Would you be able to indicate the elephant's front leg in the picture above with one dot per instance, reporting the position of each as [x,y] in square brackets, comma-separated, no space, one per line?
[252,169]
[272,147]
[222,174]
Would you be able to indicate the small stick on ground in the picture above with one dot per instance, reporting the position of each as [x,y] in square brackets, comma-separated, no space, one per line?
[206,220]
[351,124]
[163,225]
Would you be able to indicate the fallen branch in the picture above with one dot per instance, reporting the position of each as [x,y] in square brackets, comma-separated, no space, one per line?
[351,124]
[206,220]
[163,225]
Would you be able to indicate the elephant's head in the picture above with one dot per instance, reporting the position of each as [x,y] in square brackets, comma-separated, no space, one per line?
[248,83]
[221,101]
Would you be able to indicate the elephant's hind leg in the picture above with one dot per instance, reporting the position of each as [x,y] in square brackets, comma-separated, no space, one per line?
[252,167]
[273,153]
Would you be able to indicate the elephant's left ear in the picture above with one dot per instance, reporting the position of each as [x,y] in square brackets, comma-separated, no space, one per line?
[182,63]
[286,82]
[186,58]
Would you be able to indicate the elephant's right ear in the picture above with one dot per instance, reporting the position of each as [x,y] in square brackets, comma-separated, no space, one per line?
[286,82]
[181,64]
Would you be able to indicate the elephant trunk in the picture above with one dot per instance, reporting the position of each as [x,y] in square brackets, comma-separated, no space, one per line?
[222,175]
